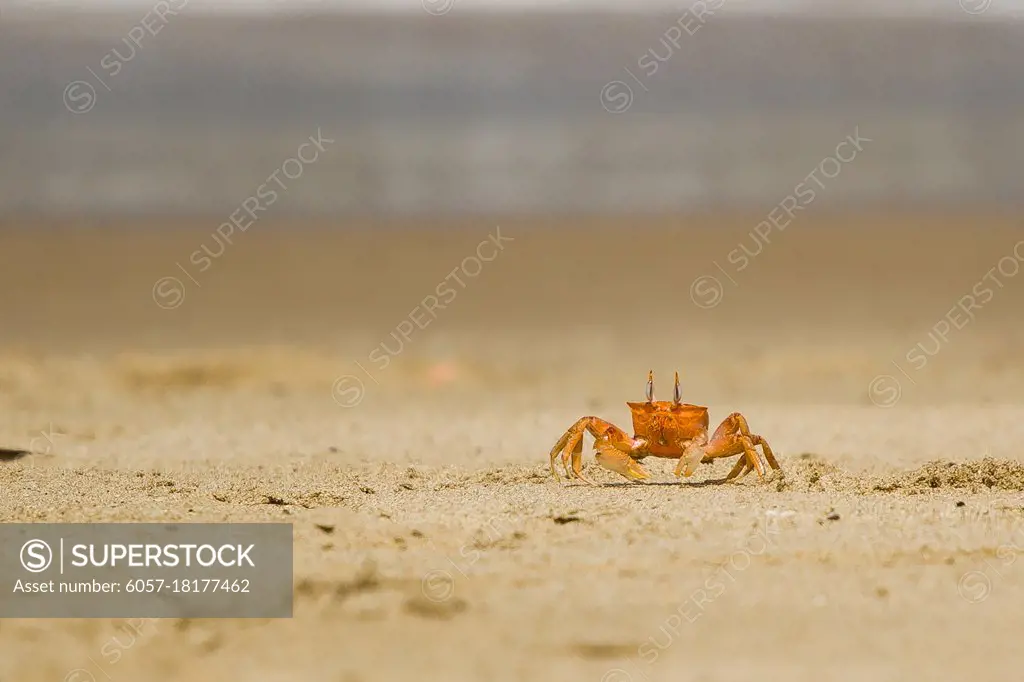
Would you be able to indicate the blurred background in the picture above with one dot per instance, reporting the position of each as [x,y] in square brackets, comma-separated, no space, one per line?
[504,106]
[306,172]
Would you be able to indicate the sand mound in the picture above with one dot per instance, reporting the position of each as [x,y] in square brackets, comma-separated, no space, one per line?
[976,476]
[811,473]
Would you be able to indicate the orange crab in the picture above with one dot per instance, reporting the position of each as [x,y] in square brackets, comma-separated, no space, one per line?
[663,429]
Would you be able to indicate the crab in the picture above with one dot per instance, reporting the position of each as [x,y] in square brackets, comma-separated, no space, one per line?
[664,429]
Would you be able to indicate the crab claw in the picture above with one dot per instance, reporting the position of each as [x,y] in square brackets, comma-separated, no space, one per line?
[614,459]
[692,456]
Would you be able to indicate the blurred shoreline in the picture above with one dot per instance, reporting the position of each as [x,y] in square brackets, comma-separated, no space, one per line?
[296,280]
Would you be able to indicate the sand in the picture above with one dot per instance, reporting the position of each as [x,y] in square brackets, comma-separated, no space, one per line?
[431,541]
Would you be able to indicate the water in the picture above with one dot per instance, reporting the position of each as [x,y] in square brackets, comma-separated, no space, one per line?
[472,114]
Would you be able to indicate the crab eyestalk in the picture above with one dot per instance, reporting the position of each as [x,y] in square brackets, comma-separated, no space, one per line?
[677,397]
[650,386]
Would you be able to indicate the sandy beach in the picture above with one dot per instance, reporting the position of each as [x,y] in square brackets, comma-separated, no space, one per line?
[393,391]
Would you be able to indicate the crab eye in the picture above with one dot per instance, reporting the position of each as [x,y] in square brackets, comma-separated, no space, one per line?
[676,395]
[650,386]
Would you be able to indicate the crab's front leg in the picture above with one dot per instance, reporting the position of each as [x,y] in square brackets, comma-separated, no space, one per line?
[694,452]
[622,457]
[614,450]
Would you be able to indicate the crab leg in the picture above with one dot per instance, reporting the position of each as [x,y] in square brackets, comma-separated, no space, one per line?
[741,469]
[694,453]
[613,458]
[733,437]
[613,447]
